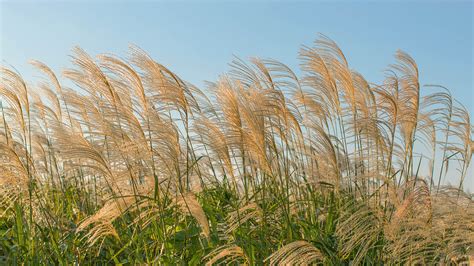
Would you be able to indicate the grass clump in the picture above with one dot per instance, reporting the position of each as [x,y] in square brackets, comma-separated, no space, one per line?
[265,166]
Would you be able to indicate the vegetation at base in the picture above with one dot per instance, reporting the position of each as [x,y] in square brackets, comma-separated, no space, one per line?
[134,165]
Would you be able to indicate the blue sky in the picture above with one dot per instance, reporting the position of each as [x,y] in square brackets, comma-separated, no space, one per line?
[198,39]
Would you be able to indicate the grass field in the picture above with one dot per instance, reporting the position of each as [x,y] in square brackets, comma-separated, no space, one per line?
[133,165]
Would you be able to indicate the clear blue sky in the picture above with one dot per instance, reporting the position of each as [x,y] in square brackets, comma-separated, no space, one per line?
[198,39]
